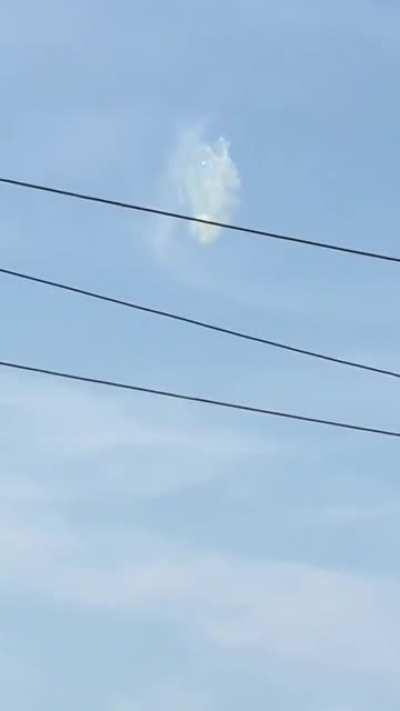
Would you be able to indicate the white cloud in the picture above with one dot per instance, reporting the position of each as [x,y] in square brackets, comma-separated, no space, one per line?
[285,610]
[207,181]
[281,610]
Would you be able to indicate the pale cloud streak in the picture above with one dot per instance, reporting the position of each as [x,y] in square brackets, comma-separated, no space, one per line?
[106,443]
[261,607]
[284,610]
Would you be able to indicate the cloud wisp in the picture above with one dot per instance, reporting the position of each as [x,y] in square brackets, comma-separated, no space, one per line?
[284,610]
[207,181]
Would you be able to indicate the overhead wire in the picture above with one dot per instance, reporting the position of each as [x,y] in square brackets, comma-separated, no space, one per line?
[195,322]
[198,399]
[190,218]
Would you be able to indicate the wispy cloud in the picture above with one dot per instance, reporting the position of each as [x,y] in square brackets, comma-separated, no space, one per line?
[170,694]
[286,610]
[207,181]
[355,514]
[247,606]
[107,444]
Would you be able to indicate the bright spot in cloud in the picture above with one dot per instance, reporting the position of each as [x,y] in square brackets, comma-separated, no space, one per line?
[208,182]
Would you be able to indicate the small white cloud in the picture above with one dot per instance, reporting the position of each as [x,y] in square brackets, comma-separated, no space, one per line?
[207,181]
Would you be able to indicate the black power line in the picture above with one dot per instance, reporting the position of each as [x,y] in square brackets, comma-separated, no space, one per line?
[190,218]
[195,322]
[201,400]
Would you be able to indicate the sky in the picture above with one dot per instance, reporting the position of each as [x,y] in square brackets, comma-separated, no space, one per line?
[160,555]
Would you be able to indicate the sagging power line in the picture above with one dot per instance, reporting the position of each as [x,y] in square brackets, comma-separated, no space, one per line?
[198,399]
[202,221]
[195,322]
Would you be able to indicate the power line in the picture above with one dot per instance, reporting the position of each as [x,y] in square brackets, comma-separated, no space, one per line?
[195,398]
[202,221]
[195,322]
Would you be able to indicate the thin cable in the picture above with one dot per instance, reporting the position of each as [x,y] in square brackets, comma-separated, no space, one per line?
[201,324]
[190,218]
[195,398]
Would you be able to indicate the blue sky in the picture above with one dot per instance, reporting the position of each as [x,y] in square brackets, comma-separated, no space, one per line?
[161,555]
